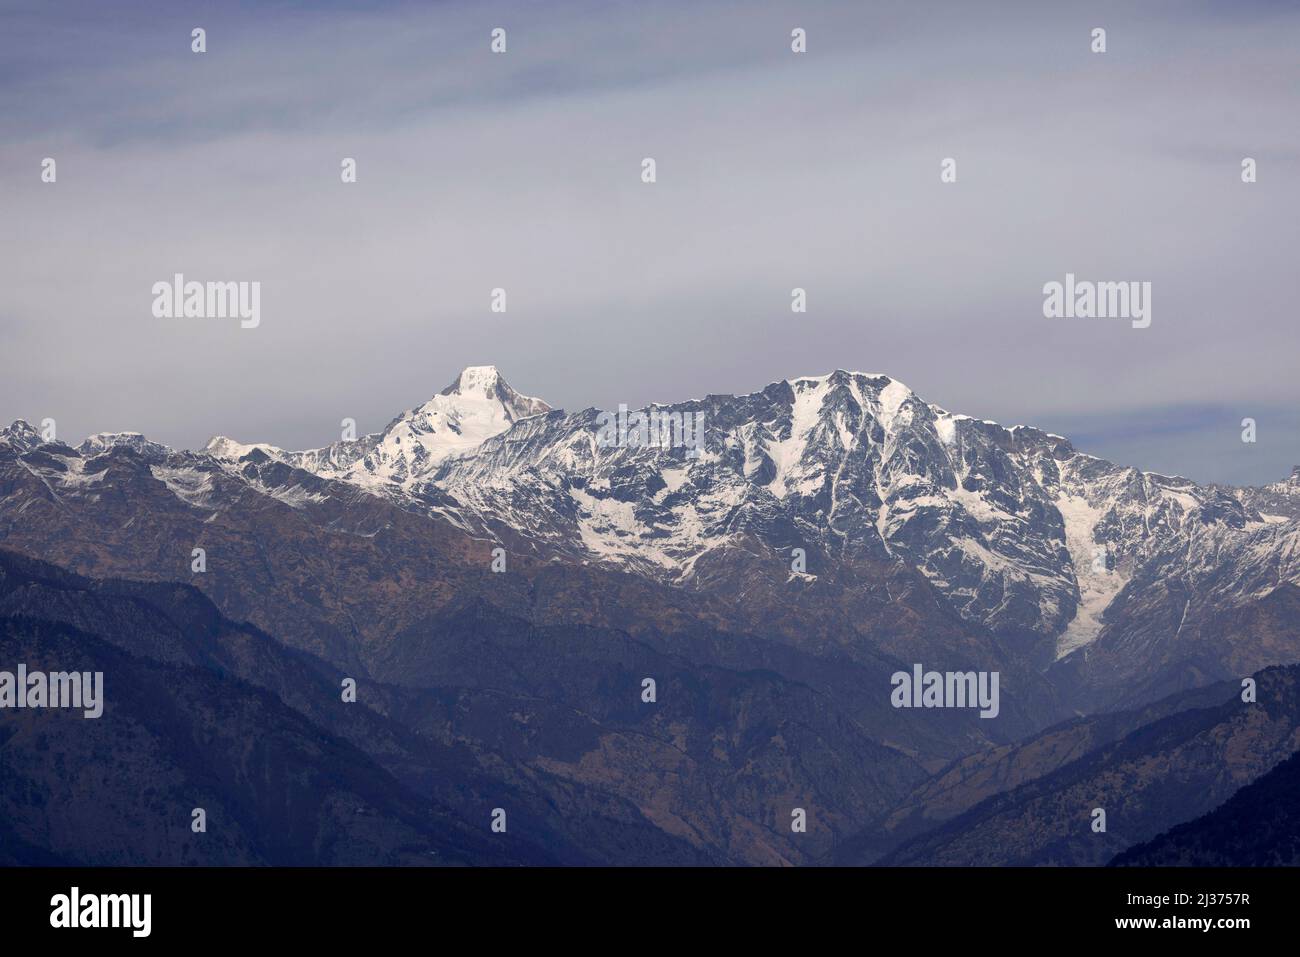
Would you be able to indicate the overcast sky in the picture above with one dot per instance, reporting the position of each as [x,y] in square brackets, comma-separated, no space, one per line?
[775,170]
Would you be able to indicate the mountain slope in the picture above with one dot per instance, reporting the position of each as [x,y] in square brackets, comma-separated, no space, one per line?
[970,780]
[1259,826]
[479,710]
[1171,770]
[175,625]
[276,789]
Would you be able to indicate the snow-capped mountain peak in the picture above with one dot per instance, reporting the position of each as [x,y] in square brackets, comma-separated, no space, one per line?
[20,435]
[478,405]
[485,382]
[226,448]
[136,441]
[479,393]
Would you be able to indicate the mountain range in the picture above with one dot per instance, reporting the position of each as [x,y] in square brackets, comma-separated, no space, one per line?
[501,581]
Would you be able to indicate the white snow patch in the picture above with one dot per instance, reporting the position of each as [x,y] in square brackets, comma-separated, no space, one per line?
[891,401]
[946,428]
[977,506]
[76,477]
[191,486]
[295,496]
[673,479]
[227,449]
[1096,589]
[609,529]
[786,454]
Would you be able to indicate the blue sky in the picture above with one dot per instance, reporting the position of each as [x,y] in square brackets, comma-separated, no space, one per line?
[775,170]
